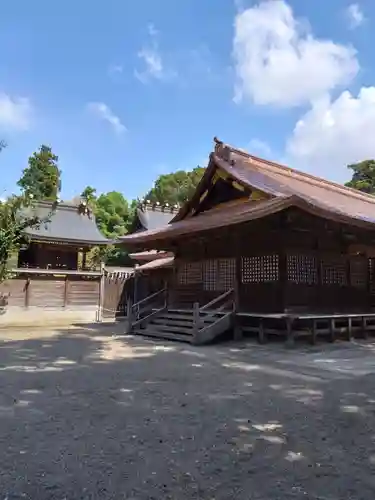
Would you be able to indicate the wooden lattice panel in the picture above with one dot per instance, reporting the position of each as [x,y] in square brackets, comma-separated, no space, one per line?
[210,275]
[227,274]
[334,271]
[189,273]
[358,272]
[262,269]
[182,274]
[302,269]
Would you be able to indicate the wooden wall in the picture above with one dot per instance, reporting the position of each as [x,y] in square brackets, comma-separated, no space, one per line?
[286,262]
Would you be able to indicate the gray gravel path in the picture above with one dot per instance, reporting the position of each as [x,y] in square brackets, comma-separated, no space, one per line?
[85,416]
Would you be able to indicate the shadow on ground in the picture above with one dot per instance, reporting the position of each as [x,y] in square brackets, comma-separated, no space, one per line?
[85,415]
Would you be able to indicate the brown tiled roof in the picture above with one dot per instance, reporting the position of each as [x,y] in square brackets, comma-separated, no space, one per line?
[286,187]
[242,213]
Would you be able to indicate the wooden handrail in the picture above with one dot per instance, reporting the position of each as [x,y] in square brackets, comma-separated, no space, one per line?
[147,299]
[216,300]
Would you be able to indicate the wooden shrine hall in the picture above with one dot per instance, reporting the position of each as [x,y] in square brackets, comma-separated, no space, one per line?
[70,232]
[52,281]
[261,247]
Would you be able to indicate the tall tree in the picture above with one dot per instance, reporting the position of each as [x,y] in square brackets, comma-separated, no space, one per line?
[89,194]
[14,219]
[42,178]
[112,213]
[113,216]
[363,177]
[175,188]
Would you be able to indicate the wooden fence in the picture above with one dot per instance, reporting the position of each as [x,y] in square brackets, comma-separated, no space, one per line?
[34,294]
[51,289]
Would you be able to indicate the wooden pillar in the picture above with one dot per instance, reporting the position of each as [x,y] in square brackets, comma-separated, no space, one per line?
[283,264]
[66,284]
[84,253]
[27,292]
[289,332]
[237,329]
[283,278]
[332,332]
[101,292]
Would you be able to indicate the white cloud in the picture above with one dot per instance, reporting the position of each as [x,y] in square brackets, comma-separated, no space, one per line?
[153,65]
[354,15]
[279,61]
[104,112]
[15,112]
[335,133]
[152,61]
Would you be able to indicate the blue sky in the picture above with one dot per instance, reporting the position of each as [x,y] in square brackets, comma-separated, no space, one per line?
[125,91]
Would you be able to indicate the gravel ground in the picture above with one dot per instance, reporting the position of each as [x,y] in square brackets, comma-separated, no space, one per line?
[86,416]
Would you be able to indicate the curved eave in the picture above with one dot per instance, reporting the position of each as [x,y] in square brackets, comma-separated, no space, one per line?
[244,213]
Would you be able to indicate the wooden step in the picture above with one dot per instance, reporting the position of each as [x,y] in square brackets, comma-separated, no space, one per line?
[170,328]
[174,315]
[172,322]
[161,334]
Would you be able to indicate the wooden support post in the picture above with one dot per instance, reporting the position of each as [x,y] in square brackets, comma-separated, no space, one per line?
[66,284]
[289,332]
[350,328]
[332,334]
[84,254]
[129,316]
[101,292]
[27,292]
[313,332]
[237,328]
[196,323]
[364,327]
[262,336]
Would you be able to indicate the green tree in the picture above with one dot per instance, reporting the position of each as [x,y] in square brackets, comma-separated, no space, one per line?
[175,188]
[42,178]
[15,218]
[113,217]
[363,177]
[89,194]
[112,213]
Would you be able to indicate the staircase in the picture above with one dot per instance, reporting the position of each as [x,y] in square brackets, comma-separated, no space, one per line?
[199,325]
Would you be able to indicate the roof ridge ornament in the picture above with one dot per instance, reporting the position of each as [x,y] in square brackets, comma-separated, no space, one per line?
[222,150]
[156,206]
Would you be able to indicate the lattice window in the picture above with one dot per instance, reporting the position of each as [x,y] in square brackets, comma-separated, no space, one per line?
[358,272]
[334,271]
[189,273]
[227,274]
[260,269]
[219,274]
[302,269]
[210,275]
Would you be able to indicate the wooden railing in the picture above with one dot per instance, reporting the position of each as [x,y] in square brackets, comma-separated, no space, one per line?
[140,313]
[204,315]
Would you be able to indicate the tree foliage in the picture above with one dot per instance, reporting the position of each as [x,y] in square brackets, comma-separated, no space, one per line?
[113,217]
[363,177]
[89,194]
[41,179]
[175,188]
